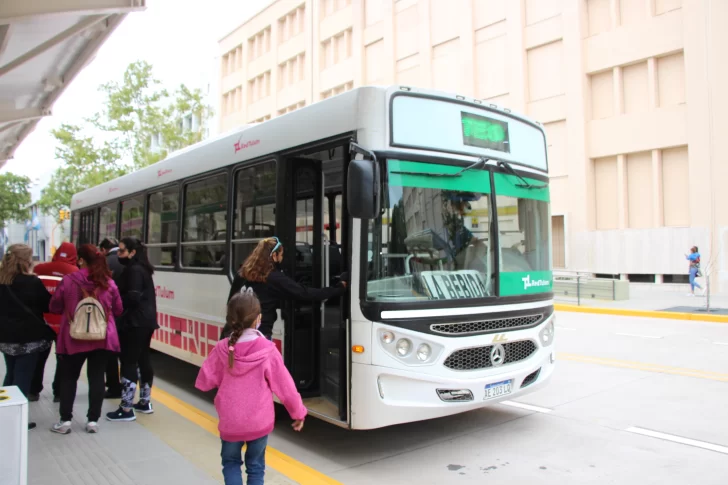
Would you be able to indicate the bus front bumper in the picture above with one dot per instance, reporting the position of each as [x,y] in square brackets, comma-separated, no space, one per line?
[383,396]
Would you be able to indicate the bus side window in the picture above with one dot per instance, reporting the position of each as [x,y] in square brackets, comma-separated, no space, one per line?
[204,222]
[255,209]
[162,215]
[132,217]
[107,221]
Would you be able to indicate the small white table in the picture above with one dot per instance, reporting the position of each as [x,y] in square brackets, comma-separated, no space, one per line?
[13,436]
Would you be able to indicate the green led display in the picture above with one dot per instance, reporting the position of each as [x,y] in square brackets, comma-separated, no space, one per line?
[482,132]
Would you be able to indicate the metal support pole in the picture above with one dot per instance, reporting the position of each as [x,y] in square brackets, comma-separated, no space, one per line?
[707,293]
[578,290]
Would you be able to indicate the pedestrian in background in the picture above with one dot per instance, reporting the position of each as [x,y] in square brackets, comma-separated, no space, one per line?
[694,269]
[93,280]
[64,262]
[23,332]
[136,328]
[110,247]
[247,370]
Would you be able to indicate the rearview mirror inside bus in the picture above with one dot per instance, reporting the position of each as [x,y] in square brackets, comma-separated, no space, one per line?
[363,182]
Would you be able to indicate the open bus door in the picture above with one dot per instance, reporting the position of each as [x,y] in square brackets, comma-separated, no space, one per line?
[316,335]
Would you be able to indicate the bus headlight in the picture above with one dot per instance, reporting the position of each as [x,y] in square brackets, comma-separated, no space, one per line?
[387,337]
[403,347]
[423,352]
[547,334]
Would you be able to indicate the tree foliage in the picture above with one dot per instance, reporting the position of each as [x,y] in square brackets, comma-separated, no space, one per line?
[85,164]
[14,198]
[135,110]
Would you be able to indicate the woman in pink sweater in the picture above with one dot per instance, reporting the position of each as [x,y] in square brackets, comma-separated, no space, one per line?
[247,369]
[94,279]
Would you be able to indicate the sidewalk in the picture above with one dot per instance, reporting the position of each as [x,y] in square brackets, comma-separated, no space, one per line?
[159,449]
[651,297]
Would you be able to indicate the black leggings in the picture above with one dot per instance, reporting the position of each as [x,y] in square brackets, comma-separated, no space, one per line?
[135,348]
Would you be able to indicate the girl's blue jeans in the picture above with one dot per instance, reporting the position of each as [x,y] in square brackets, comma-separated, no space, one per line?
[232,460]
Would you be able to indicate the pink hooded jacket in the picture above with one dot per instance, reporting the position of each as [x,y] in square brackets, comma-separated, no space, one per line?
[244,400]
[67,295]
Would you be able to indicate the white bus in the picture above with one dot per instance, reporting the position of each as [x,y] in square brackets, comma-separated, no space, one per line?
[436,205]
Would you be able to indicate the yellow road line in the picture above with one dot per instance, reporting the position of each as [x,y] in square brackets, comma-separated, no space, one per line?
[704,317]
[282,463]
[662,369]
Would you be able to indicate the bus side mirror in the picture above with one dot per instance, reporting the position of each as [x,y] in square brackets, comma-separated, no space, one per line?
[363,183]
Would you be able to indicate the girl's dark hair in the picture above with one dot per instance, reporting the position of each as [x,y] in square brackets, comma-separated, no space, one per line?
[134,244]
[243,311]
[260,264]
[98,270]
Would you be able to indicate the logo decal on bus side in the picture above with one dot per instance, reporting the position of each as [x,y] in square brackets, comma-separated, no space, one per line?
[242,146]
[162,173]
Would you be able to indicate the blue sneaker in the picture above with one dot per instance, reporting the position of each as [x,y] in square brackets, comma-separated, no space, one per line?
[121,415]
[144,408]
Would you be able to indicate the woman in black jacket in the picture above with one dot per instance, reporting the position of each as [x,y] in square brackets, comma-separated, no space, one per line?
[261,274]
[136,327]
[23,332]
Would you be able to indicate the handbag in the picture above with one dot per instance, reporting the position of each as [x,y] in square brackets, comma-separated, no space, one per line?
[14,329]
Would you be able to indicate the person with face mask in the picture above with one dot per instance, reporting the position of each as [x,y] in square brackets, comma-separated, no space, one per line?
[136,327]
[261,274]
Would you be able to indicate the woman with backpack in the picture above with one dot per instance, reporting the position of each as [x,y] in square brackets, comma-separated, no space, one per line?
[136,328]
[87,301]
[23,332]
[247,370]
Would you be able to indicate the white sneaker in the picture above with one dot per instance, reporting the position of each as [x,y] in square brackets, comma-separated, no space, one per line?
[690,294]
[61,427]
[92,427]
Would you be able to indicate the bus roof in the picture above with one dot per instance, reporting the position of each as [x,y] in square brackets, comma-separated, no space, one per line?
[333,116]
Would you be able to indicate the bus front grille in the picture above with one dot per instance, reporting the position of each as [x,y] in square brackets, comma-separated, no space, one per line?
[484,326]
[480,357]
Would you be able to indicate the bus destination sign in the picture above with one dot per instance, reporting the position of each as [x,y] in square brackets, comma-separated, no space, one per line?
[483,132]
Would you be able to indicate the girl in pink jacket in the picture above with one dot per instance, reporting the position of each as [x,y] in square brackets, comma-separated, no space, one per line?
[247,369]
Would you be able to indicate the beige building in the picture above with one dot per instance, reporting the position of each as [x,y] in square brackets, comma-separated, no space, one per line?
[631,93]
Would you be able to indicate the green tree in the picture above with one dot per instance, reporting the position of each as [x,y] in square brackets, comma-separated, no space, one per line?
[137,109]
[85,164]
[118,139]
[14,198]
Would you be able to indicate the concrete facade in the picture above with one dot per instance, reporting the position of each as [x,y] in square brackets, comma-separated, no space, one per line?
[628,91]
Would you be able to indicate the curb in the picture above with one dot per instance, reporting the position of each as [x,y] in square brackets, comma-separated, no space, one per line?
[642,313]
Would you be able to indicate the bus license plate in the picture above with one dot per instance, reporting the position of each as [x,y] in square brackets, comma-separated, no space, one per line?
[498,389]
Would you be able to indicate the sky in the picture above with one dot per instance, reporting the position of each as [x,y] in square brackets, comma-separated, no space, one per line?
[178,37]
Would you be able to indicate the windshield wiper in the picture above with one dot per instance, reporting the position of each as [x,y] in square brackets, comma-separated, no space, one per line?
[525,184]
[481,161]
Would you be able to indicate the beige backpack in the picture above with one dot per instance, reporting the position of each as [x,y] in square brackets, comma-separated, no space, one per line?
[89,320]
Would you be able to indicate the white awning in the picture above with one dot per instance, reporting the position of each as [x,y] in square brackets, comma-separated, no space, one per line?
[44,44]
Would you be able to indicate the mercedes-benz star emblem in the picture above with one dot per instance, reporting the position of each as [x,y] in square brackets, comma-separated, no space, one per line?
[497,355]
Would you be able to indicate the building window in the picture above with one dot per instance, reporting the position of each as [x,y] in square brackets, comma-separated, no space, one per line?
[132,217]
[255,209]
[337,90]
[292,107]
[336,49]
[330,7]
[260,120]
[205,215]
[259,44]
[163,211]
[291,24]
[107,221]
[291,71]
[259,87]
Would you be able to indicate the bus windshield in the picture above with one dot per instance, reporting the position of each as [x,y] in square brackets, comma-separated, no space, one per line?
[435,237]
